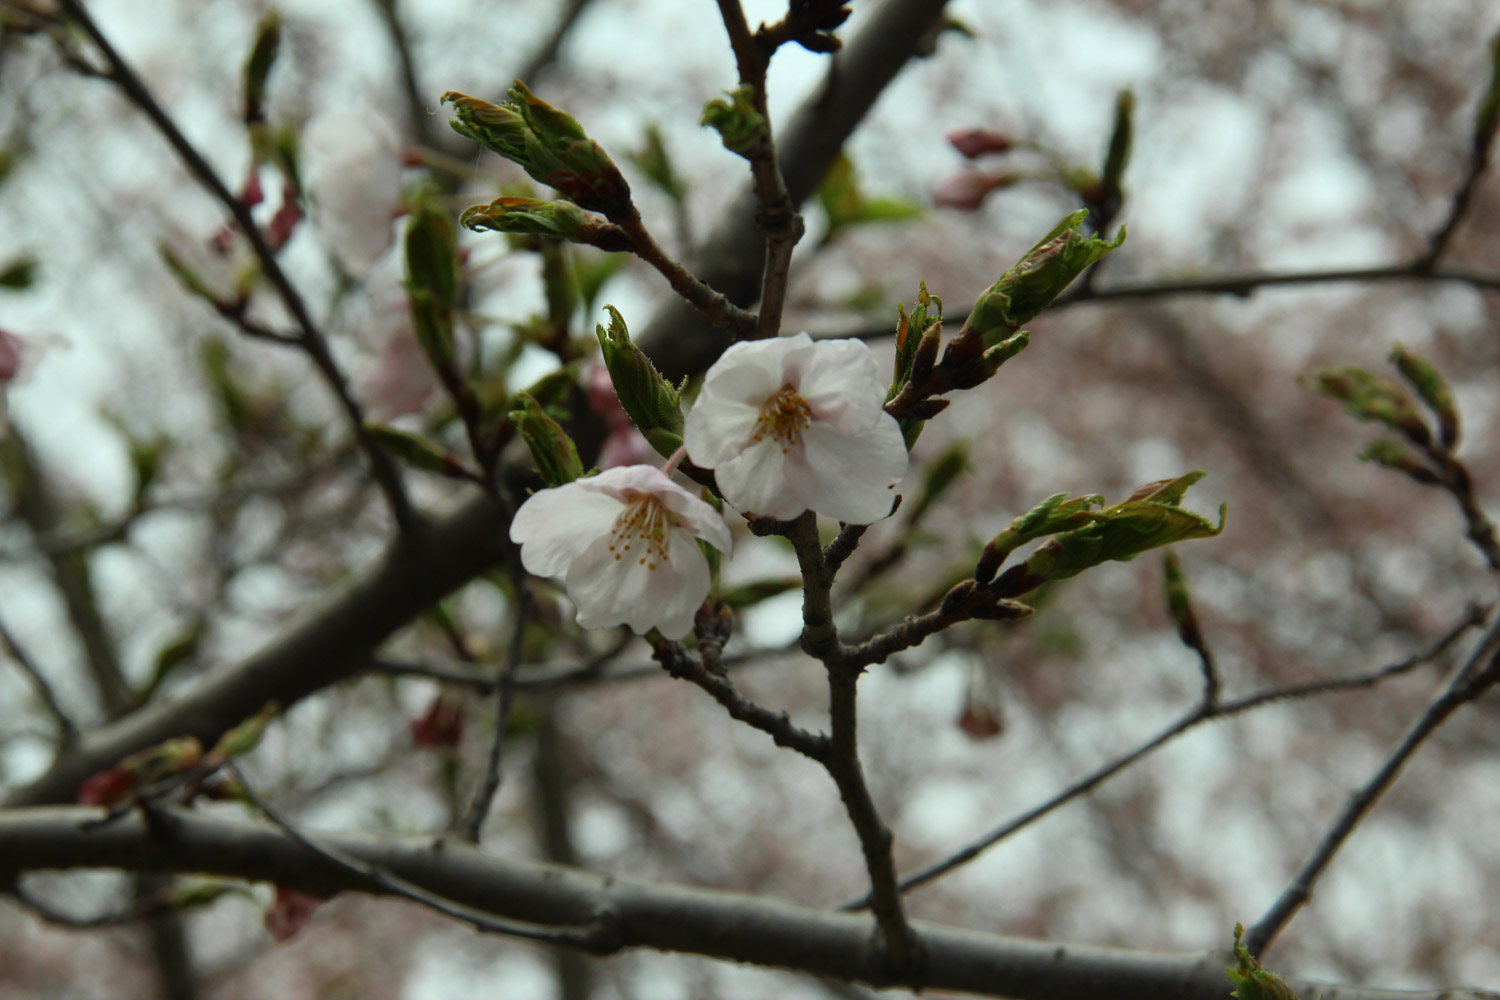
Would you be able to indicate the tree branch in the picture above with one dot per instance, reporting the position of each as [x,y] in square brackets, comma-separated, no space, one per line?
[382,468]
[715,923]
[1476,675]
[898,30]
[333,643]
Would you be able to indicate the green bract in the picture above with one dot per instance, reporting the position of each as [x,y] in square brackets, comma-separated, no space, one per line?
[1424,377]
[1250,980]
[432,282]
[650,401]
[1369,397]
[1149,519]
[548,144]
[555,454]
[525,215]
[739,125]
[1038,278]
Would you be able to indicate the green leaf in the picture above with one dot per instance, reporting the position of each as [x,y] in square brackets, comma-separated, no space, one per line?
[1038,278]
[741,128]
[415,451]
[845,205]
[592,271]
[1059,512]
[258,65]
[926,320]
[1118,156]
[180,649]
[238,405]
[555,454]
[939,476]
[19,274]
[1368,397]
[432,282]
[1424,377]
[246,736]
[651,402]
[1489,106]
[1149,519]
[548,144]
[654,161]
[1252,982]
[748,594]
[1397,456]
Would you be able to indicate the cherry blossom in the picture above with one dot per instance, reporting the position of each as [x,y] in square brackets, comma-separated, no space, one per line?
[19,355]
[792,424]
[624,544]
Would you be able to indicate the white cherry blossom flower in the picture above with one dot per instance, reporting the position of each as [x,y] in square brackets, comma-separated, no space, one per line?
[19,355]
[624,544]
[792,424]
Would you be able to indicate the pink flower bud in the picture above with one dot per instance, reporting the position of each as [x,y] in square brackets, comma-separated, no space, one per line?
[967,190]
[974,142]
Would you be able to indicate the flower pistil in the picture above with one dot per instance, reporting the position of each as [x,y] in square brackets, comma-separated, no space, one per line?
[783,418]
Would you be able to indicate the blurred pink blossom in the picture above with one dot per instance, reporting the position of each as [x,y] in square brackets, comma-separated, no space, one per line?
[972,142]
[19,356]
[623,445]
[967,189]
[352,165]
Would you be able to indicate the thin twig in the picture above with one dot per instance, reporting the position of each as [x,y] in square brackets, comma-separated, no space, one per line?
[820,639]
[679,663]
[1476,675]
[601,937]
[1244,284]
[66,727]
[382,467]
[777,216]
[711,303]
[1205,712]
[505,698]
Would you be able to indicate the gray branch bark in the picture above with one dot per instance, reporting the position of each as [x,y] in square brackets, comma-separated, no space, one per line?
[719,924]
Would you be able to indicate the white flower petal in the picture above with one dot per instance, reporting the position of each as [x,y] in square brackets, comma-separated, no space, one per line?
[624,543]
[764,479]
[699,518]
[718,428]
[842,386]
[554,526]
[610,588]
[851,475]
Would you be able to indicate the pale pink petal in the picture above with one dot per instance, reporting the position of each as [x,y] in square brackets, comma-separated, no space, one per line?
[615,588]
[554,526]
[765,479]
[843,387]
[699,518]
[719,428]
[852,475]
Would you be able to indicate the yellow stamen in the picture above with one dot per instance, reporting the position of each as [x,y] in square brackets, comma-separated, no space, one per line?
[783,418]
[647,520]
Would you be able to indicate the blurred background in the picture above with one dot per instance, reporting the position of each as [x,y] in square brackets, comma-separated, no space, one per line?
[204,486]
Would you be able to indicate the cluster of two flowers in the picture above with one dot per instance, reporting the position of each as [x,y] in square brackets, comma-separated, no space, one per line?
[787,425]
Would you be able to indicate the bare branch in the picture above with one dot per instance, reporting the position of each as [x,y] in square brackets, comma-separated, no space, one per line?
[726,925]
[1207,711]
[384,470]
[777,216]
[593,935]
[1476,675]
[505,698]
[896,32]
[67,729]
